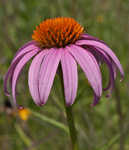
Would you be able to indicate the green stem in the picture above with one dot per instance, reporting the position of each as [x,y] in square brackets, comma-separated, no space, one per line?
[120,114]
[50,121]
[70,119]
[72,129]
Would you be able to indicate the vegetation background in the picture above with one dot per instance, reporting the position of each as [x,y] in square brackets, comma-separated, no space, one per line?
[104,127]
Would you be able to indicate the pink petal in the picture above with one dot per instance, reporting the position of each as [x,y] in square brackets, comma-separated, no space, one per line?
[33,77]
[106,49]
[96,100]
[47,73]
[86,36]
[90,67]
[102,56]
[110,67]
[69,68]
[15,62]
[9,74]
[18,69]
[26,48]
[25,45]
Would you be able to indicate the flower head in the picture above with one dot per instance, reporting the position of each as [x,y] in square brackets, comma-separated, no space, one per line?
[62,40]
[57,32]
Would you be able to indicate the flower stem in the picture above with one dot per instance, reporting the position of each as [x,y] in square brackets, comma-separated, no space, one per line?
[70,119]
[72,129]
[120,114]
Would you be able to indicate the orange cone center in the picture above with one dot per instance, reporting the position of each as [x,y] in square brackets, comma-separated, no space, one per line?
[57,32]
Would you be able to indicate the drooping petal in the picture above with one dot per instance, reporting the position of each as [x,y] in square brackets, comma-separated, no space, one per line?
[20,53]
[25,45]
[26,48]
[104,57]
[114,70]
[47,73]
[69,68]
[106,49]
[9,74]
[110,67]
[18,69]
[90,67]
[33,76]
[96,100]
[86,36]
[15,62]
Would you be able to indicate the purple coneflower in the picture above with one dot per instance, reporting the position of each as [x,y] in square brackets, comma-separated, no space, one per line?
[62,40]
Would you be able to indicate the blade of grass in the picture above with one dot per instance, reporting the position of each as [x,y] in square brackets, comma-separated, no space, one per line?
[108,145]
[111,142]
[23,136]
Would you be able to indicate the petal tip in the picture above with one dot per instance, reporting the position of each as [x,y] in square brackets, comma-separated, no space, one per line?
[95,101]
[122,78]
[40,104]
[7,93]
[68,104]
[108,96]
[92,105]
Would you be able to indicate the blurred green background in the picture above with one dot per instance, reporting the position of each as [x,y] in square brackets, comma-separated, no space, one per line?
[104,127]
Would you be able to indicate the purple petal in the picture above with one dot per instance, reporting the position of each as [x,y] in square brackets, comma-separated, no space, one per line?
[33,77]
[25,45]
[106,49]
[86,36]
[18,69]
[9,74]
[47,73]
[114,69]
[69,68]
[104,57]
[90,67]
[111,71]
[20,53]
[25,49]
[96,100]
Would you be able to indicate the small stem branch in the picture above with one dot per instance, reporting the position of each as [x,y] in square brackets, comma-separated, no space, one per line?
[50,121]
